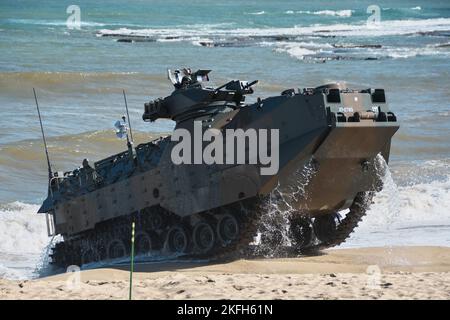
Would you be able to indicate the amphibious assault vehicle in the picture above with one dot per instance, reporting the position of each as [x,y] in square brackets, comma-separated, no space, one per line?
[329,142]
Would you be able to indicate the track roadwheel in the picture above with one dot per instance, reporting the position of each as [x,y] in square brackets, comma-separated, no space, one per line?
[102,251]
[143,243]
[227,229]
[325,227]
[204,237]
[157,221]
[116,249]
[272,229]
[177,240]
[301,231]
[89,255]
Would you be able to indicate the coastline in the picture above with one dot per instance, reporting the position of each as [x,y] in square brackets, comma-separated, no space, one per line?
[362,273]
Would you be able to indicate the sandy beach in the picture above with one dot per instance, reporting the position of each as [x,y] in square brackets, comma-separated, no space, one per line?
[363,273]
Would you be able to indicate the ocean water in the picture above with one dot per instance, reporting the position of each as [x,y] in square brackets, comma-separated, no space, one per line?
[79,76]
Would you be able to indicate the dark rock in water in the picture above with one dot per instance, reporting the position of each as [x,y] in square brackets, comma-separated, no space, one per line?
[325,36]
[207,44]
[435,33]
[144,40]
[281,38]
[443,45]
[267,38]
[229,44]
[172,38]
[128,38]
[106,35]
[131,40]
[376,46]
[217,44]
[351,46]
[320,33]
[323,59]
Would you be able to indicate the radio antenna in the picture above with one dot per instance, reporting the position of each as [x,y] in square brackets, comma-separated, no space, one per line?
[128,115]
[43,136]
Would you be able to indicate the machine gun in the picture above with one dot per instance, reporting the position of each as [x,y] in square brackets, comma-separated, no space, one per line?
[190,95]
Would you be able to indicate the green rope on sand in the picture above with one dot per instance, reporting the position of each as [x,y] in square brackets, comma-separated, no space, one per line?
[132,259]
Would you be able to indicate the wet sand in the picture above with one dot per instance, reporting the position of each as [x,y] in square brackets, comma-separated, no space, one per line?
[363,273]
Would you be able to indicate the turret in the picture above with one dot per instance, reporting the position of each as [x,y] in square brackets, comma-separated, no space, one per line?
[191,98]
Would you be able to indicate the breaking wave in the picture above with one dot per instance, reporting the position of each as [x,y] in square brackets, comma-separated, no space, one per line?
[295,50]
[291,40]
[23,239]
[388,27]
[55,22]
[326,51]
[302,50]
[258,13]
[415,213]
[335,13]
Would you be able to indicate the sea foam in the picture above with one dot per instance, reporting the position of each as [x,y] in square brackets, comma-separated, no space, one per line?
[338,13]
[23,239]
[412,214]
[387,27]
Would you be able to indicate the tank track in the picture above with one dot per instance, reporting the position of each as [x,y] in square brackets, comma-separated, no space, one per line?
[347,225]
[93,246]
[280,236]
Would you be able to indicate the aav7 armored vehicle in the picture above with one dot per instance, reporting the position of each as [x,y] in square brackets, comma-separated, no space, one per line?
[328,141]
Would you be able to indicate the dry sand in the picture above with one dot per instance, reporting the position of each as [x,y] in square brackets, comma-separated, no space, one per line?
[367,273]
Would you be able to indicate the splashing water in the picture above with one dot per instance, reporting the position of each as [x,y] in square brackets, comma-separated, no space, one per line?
[412,214]
[23,235]
[43,266]
[273,233]
[389,193]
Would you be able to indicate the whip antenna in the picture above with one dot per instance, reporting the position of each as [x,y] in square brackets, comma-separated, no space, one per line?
[43,136]
[128,115]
